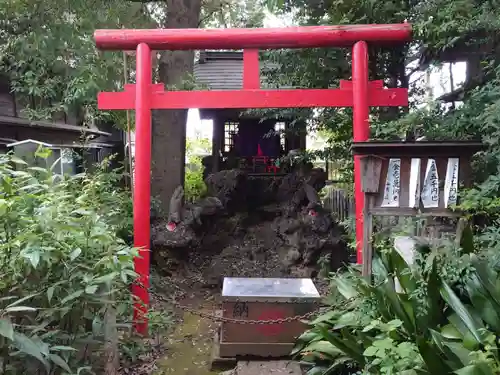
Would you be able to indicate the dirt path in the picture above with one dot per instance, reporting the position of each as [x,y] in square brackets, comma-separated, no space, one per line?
[190,345]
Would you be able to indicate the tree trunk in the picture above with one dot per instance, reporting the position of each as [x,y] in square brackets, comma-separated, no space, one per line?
[169,126]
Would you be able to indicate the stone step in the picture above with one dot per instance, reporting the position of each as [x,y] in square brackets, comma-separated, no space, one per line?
[281,367]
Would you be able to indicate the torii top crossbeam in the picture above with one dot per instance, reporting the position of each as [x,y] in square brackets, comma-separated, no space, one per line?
[360,94]
[259,38]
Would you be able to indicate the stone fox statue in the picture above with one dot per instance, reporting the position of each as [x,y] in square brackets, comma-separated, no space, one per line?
[191,213]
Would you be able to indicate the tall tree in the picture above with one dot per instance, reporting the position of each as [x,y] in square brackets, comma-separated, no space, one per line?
[175,71]
[169,126]
[48,54]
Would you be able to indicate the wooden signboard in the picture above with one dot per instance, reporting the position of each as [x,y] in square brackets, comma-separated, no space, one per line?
[411,179]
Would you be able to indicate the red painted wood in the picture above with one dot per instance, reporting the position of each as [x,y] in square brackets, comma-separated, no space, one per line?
[142,185]
[251,69]
[307,98]
[271,329]
[361,130]
[257,38]
[359,94]
[377,84]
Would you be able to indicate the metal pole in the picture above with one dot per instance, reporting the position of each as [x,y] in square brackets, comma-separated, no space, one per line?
[361,130]
[128,142]
[142,185]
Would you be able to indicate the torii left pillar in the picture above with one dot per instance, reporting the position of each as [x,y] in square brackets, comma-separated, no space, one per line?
[142,182]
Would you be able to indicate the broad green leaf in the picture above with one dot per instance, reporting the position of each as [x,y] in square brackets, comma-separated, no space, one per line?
[38,169]
[17,160]
[50,293]
[482,302]
[84,369]
[350,348]
[476,369]
[396,305]
[304,339]
[432,357]
[473,325]
[19,309]
[345,287]
[487,277]
[75,253]
[6,328]
[459,351]
[43,152]
[21,300]
[467,338]
[450,332]
[59,362]
[3,207]
[403,272]
[28,346]
[63,348]
[349,319]
[324,347]
[72,296]
[326,317]
[370,351]
[33,256]
[436,305]
[106,278]
[453,352]
[91,289]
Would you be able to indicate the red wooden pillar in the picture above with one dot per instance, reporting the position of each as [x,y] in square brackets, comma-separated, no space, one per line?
[361,130]
[142,185]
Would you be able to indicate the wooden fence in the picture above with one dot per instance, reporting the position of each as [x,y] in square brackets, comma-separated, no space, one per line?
[338,200]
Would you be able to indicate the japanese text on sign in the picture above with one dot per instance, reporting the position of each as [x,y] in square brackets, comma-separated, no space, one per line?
[430,191]
[392,184]
[451,182]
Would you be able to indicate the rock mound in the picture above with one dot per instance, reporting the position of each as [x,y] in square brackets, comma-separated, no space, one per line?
[267,227]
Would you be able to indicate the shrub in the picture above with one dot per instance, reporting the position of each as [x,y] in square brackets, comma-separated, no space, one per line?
[194,186]
[64,263]
[444,320]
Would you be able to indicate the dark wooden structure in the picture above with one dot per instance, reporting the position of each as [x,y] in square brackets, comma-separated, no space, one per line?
[418,179]
[240,139]
[64,132]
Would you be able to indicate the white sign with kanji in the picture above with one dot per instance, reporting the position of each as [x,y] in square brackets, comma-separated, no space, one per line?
[430,191]
[392,184]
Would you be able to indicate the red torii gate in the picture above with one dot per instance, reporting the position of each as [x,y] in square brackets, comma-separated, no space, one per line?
[360,93]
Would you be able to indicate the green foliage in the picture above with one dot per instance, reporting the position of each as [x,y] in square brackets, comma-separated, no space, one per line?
[438,26]
[194,185]
[235,13]
[48,53]
[442,319]
[63,265]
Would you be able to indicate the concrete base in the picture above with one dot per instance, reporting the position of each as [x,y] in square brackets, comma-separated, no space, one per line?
[268,368]
[216,361]
[252,349]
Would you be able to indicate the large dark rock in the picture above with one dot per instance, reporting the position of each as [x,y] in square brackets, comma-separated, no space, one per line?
[229,187]
[254,227]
